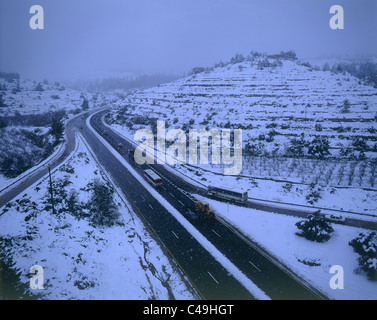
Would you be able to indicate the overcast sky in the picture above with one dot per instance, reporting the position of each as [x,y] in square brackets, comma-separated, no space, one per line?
[84,37]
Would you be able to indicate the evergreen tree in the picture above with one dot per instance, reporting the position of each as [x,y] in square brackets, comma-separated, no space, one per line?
[315,228]
[102,206]
[85,105]
[346,106]
[11,285]
[38,87]
[3,123]
[73,205]
[17,89]
[296,147]
[366,246]
[319,147]
[2,103]
[57,129]
[326,67]
[359,144]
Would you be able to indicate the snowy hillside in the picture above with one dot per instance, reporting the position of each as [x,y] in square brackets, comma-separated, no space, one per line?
[272,100]
[31,97]
[304,129]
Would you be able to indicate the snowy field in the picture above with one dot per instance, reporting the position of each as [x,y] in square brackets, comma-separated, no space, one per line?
[82,261]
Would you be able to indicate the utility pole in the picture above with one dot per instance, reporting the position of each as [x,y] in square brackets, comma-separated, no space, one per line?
[51,192]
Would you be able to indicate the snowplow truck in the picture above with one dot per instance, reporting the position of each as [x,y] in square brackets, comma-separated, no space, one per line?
[203,210]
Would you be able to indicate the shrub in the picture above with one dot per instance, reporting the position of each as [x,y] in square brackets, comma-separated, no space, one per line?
[38,87]
[296,147]
[315,228]
[359,144]
[102,206]
[366,246]
[319,147]
[345,107]
[73,205]
[318,127]
[314,194]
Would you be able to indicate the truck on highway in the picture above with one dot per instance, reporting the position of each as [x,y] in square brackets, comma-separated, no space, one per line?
[200,210]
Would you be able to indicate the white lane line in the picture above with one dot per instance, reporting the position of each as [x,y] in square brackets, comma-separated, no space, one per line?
[181,202]
[142,197]
[150,206]
[172,195]
[212,277]
[255,266]
[174,234]
[216,233]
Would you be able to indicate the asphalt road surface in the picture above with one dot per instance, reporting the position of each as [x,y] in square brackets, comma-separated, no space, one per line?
[275,281]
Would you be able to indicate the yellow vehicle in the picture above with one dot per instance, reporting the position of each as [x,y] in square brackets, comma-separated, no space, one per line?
[203,210]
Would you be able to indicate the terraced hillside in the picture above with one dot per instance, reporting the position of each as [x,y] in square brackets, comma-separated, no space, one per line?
[299,122]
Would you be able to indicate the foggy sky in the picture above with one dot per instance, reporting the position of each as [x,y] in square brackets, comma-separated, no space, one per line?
[87,37]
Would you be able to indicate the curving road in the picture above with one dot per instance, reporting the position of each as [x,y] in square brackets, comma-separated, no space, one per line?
[207,275]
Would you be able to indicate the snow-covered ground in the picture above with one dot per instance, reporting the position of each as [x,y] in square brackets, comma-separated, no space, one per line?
[81,261]
[276,234]
[28,97]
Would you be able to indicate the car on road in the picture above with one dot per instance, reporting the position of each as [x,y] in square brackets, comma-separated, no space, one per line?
[335,218]
[199,172]
[192,215]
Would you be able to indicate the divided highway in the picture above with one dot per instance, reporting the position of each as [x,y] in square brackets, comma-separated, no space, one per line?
[209,277]
[276,282]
